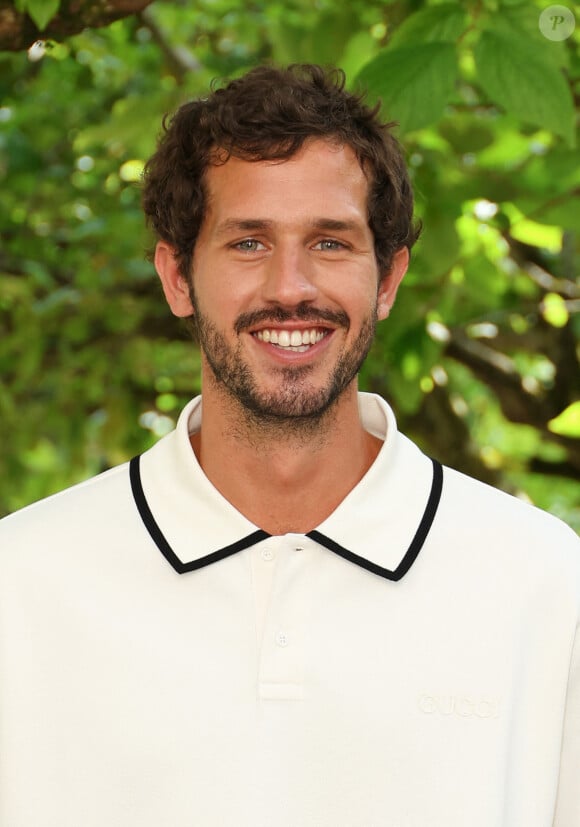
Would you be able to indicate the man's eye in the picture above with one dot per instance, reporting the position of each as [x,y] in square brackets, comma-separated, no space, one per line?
[329,245]
[249,245]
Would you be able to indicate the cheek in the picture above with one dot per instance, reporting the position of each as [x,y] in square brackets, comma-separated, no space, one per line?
[223,302]
[372,299]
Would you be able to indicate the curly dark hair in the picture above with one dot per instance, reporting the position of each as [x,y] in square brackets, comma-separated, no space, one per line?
[268,114]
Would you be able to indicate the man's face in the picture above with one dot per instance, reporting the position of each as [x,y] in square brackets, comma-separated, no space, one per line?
[284,284]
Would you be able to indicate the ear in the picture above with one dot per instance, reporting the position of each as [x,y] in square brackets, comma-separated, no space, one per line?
[390,282]
[174,285]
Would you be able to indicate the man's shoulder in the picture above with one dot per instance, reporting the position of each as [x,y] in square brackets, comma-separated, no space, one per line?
[496,520]
[87,505]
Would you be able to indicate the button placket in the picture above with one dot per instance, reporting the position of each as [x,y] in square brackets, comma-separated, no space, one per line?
[281,674]
[263,563]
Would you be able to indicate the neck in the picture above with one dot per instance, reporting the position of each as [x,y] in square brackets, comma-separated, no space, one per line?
[286,477]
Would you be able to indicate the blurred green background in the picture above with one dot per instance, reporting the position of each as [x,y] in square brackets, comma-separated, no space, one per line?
[480,357]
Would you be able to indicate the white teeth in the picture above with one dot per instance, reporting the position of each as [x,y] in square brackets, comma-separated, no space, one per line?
[297,340]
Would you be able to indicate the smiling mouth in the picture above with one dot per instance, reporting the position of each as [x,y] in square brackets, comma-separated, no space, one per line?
[298,341]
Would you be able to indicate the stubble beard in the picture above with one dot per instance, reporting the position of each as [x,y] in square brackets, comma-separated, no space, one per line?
[296,405]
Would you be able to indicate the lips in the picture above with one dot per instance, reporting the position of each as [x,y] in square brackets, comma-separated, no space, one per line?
[289,333]
[301,319]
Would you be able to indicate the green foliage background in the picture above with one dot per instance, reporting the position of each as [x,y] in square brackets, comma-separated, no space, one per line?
[480,356]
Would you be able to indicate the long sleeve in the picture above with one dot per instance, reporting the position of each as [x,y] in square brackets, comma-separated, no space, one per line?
[567,812]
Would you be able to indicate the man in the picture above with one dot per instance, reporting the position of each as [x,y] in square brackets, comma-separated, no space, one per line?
[284,614]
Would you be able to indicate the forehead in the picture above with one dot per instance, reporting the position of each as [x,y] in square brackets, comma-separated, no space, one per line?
[322,178]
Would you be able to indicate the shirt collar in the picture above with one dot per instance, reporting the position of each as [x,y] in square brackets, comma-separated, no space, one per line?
[381,524]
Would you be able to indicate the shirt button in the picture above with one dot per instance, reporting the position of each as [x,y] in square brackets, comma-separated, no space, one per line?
[267,554]
[282,639]
[298,548]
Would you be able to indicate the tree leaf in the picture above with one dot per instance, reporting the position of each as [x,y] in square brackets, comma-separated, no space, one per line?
[555,312]
[521,21]
[513,76]
[414,82]
[56,50]
[443,24]
[567,423]
[41,12]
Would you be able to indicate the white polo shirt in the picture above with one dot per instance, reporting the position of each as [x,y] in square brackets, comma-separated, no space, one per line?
[414,662]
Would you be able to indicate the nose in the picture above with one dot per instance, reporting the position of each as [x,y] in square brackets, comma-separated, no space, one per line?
[289,278]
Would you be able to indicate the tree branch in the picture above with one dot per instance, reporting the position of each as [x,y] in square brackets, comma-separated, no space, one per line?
[18,32]
[180,60]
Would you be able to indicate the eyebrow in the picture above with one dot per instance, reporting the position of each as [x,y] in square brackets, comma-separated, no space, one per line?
[233,225]
[255,224]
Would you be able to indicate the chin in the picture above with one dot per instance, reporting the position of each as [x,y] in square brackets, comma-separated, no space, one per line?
[290,404]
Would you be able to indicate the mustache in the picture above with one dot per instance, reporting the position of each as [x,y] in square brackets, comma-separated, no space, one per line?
[302,312]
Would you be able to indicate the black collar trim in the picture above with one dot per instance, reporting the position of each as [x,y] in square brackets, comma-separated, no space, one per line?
[257,536]
[416,543]
[159,538]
